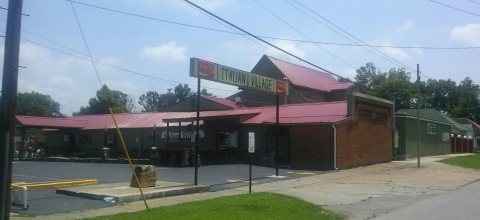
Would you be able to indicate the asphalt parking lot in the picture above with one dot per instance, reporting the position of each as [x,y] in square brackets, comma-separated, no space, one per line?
[46,201]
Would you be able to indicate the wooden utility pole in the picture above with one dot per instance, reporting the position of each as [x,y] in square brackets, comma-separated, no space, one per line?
[8,102]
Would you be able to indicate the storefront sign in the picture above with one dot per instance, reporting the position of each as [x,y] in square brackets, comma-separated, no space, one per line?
[224,74]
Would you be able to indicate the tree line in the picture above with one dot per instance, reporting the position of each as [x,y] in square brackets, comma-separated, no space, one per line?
[454,99]
[42,105]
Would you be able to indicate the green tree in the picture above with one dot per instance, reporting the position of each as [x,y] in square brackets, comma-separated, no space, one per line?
[105,98]
[150,101]
[37,104]
[182,91]
[384,85]
[468,100]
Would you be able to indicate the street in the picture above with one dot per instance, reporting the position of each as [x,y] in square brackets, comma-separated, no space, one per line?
[462,203]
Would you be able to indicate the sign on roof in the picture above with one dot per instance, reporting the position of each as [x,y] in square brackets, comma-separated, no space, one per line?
[228,75]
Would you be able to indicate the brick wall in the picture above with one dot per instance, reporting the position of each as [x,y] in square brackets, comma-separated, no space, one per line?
[311,147]
[366,139]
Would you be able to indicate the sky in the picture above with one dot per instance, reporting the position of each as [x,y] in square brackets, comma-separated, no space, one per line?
[139,55]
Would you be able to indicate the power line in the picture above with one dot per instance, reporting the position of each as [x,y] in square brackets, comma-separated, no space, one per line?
[303,35]
[86,44]
[474,2]
[112,66]
[266,42]
[385,56]
[389,58]
[455,8]
[270,37]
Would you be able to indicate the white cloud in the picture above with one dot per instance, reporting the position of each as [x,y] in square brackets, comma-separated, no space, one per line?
[408,25]
[468,34]
[69,81]
[166,52]
[396,53]
[288,46]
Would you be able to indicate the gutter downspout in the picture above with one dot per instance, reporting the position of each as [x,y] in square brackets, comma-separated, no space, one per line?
[334,147]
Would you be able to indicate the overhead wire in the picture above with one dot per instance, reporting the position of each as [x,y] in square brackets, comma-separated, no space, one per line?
[85,57]
[376,51]
[270,37]
[382,54]
[86,44]
[455,8]
[303,35]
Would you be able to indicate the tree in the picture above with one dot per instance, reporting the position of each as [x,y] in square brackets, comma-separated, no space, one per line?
[383,85]
[105,98]
[153,101]
[37,104]
[182,91]
[150,101]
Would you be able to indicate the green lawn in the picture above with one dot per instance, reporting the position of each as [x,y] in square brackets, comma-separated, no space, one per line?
[253,206]
[471,161]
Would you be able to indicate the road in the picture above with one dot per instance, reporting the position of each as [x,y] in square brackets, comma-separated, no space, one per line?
[46,201]
[462,203]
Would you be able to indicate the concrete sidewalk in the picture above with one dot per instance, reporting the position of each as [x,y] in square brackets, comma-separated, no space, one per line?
[359,193]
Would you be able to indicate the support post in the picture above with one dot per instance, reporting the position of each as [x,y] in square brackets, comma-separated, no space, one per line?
[8,102]
[418,116]
[277,134]
[197,132]
[168,134]
[154,135]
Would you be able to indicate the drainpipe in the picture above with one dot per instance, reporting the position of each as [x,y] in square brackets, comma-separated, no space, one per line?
[334,146]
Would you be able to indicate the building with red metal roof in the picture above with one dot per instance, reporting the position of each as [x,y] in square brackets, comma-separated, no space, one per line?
[324,135]
[305,84]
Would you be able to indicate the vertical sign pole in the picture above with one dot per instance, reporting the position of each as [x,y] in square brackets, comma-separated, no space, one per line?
[277,134]
[418,116]
[250,176]
[251,151]
[197,133]
[8,102]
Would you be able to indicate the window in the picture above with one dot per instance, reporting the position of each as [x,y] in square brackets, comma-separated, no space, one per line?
[66,138]
[431,128]
[227,139]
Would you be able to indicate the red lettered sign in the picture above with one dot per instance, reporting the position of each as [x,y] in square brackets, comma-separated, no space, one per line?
[206,69]
[282,87]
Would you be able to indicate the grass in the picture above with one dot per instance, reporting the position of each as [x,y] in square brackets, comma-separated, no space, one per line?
[470,161]
[253,206]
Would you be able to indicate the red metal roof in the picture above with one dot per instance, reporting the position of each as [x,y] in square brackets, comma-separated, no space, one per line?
[323,112]
[222,101]
[308,78]
[51,122]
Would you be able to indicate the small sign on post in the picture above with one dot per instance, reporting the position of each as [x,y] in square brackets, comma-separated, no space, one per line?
[251,142]
[251,150]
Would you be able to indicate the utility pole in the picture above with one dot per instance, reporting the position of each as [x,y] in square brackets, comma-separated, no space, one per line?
[418,115]
[277,133]
[394,125]
[8,102]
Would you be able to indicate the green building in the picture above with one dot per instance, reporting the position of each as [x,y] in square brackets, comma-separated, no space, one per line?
[436,133]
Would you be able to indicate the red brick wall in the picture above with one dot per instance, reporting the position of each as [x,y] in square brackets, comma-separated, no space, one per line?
[366,139]
[311,147]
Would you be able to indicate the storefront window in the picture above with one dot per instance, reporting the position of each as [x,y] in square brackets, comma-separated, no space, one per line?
[227,139]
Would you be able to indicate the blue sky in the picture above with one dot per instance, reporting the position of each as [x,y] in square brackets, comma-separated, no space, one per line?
[163,50]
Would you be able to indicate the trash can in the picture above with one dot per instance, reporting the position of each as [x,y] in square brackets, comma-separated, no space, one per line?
[105,153]
[155,156]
